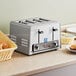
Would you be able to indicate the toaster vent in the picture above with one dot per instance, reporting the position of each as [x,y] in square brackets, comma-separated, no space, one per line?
[24,42]
[13,38]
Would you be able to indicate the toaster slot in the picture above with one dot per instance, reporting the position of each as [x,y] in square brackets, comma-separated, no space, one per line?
[43,19]
[40,20]
[30,21]
[37,20]
[22,22]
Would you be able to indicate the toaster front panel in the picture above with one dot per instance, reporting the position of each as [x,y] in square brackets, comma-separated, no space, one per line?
[41,34]
[45,46]
[45,37]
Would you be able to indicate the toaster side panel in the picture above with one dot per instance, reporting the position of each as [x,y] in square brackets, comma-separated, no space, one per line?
[20,34]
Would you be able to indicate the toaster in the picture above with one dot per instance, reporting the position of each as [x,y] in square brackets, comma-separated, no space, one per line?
[35,35]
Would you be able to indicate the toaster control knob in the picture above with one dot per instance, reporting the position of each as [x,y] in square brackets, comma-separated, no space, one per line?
[36,46]
[55,44]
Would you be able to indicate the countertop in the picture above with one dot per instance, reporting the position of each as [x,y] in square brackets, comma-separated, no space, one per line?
[28,65]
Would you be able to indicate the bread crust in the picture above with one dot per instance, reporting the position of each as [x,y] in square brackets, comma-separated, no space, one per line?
[73,47]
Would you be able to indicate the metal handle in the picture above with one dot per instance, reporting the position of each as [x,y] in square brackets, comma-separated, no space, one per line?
[53,30]
[39,32]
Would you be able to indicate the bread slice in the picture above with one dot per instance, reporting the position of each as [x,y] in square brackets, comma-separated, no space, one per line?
[73,47]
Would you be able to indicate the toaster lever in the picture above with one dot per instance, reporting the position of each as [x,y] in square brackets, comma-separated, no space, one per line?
[54,29]
[39,32]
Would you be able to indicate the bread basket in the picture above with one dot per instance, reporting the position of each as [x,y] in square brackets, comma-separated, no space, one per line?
[6,54]
[66,38]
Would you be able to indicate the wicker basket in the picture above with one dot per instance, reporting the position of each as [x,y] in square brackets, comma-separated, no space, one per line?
[66,38]
[6,54]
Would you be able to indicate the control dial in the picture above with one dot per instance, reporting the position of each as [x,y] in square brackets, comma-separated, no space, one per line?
[36,46]
[55,44]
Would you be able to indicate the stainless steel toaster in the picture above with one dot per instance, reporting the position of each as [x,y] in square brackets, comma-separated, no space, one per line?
[35,35]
